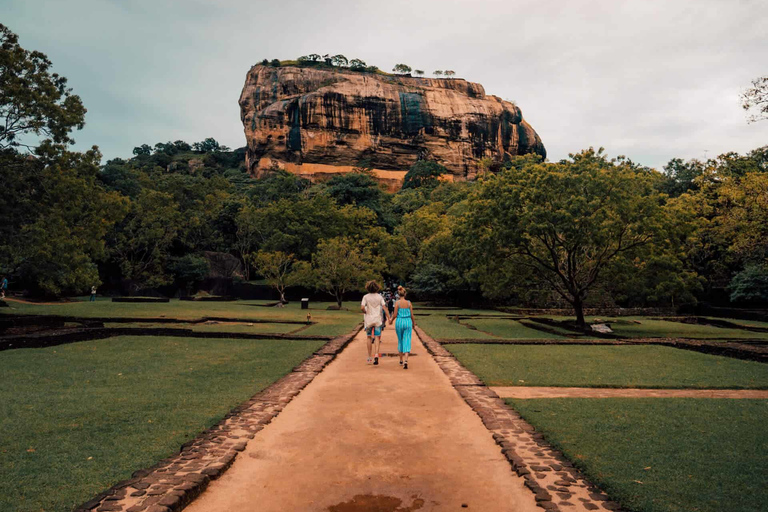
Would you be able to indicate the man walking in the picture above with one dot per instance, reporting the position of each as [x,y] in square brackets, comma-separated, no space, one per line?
[373,306]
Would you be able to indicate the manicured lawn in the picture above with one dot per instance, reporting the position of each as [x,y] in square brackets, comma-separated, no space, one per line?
[663,454]
[189,310]
[256,328]
[608,366]
[440,326]
[77,418]
[510,329]
[644,327]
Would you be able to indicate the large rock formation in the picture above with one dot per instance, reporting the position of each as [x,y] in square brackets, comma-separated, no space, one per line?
[316,122]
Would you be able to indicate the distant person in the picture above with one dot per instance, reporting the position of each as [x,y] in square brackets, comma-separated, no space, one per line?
[403,319]
[3,287]
[373,306]
[93,294]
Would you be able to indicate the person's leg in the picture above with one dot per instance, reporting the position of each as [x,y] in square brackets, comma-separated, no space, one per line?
[407,344]
[369,341]
[377,345]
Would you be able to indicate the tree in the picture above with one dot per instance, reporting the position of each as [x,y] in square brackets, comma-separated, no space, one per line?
[401,69]
[190,269]
[565,221]
[340,61]
[142,242]
[265,62]
[32,99]
[53,247]
[418,72]
[340,266]
[278,268]
[247,235]
[751,284]
[275,63]
[313,57]
[423,173]
[209,145]
[755,99]
[357,65]
[143,150]
[449,73]
[438,73]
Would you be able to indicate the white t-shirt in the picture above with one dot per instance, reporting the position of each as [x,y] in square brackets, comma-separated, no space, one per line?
[373,302]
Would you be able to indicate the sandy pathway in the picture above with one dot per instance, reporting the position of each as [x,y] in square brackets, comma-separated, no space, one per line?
[557,392]
[377,439]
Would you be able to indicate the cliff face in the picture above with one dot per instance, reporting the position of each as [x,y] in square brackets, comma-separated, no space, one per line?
[316,122]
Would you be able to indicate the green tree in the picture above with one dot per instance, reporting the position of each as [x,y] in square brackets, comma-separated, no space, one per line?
[438,73]
[144,149]
[209,145]
[340,61]
[54,249]
[281,270]
[32,99]
[141,244]
[751,284]
[357,65]
[340,266]
[566,221]
[190,269]
[755,99]
[401,69]
[449,73]
[423,173]
[418,72]
[275,63]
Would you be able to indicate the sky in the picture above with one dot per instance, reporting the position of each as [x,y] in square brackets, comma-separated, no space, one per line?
[651,80]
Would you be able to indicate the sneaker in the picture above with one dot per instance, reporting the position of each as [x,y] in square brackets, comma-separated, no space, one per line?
[369,361]
[401,363]
[405,366]
[375,361]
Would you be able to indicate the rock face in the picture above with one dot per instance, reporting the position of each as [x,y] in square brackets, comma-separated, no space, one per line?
[317,122]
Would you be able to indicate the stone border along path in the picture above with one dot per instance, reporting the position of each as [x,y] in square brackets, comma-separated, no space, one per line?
[557,484]
[528,392]
[174,482]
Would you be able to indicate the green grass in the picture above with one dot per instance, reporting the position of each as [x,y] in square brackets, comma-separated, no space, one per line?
[441,327]
[509,329]
[705,455]
[608,366]
[256,328]
[647,328]
[77,418]
[189,310]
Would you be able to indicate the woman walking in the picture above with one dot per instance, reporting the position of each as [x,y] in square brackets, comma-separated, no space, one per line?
[403,318]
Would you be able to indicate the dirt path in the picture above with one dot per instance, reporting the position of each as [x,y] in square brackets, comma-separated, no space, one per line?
[372,438]
[555,392]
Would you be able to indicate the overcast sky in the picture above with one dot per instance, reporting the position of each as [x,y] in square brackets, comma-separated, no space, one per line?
[648,79]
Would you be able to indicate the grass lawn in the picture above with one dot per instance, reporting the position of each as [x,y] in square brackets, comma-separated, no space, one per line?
[257,328]
[510,329]
[77,418]
[628,326]
[608,366]
[663,454]
[440,326]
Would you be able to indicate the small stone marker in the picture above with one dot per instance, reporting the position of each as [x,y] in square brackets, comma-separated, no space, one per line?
[601,328]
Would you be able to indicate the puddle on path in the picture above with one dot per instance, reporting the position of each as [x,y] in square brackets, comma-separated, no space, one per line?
[376,503]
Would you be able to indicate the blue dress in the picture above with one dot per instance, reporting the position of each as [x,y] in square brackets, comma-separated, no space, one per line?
[403,326]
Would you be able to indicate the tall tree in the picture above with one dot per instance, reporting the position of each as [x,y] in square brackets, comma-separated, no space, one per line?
[449,73]
[340,61]
[565,221]
[278,268]
[32,99]
[340,266]
[438,73]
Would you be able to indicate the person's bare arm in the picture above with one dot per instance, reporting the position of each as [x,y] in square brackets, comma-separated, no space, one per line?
[394,315]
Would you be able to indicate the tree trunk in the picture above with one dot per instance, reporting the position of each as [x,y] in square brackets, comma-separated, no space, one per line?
[338,299]
[578,308]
